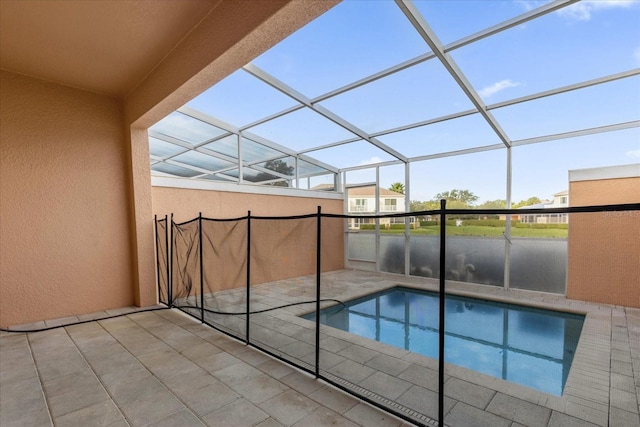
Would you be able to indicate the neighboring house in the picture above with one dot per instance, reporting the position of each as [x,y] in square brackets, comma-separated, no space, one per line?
[362,201]
[560,200]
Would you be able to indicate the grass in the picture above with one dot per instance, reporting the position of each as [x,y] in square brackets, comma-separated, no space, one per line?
[478,230]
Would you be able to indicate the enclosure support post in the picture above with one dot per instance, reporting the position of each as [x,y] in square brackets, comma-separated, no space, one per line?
[318,269]
[441,331]
[201,269]
[248,274]
[166,245]
[507,230]
[170,292]
[155,231]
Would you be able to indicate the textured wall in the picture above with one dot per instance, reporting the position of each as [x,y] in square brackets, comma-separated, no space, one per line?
[76,219]
[185,204]
[64,230]
[282,249]
[604,248]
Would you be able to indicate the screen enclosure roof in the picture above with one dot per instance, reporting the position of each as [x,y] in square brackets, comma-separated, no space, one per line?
[395,82]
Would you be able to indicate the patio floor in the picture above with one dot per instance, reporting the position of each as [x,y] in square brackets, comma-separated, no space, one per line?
[163,368]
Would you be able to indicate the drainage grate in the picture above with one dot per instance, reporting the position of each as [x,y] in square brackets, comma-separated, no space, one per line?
[417,416]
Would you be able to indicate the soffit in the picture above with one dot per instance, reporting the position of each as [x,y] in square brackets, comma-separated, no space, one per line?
[106,47]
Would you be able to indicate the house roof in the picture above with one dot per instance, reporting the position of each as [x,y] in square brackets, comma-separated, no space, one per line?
[370,190]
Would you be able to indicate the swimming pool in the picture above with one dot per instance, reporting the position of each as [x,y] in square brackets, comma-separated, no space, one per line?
[528,346]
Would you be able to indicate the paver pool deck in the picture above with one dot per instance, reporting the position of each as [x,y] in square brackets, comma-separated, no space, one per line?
[164,368]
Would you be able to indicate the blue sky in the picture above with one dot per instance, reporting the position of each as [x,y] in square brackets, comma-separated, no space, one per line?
[358,38]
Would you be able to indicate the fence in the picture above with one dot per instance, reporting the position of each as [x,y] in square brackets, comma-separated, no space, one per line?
[255,278]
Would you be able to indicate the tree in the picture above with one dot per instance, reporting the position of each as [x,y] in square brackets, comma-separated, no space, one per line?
[493,204]
[398,187]
[277,166]
[417,206]
[460,198]
[530,201]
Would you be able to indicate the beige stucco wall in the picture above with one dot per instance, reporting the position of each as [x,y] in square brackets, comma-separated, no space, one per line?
[186,204]
[604,248]
[64,228]
[76,226]
[281,249]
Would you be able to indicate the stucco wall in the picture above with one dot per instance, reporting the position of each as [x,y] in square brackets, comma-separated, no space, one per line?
[281,249]
[604,248]
[76,228]
[185,204]
[64,229]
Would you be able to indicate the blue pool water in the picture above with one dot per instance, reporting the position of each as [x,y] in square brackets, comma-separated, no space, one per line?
[523,345]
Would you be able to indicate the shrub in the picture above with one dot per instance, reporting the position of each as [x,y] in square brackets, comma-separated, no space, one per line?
[542,226]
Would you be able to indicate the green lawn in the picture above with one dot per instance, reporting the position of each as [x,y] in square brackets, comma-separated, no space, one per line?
[477,230]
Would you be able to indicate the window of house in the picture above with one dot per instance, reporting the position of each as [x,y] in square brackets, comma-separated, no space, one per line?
[390,204]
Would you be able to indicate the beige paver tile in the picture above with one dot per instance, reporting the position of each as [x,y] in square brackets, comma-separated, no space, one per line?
[587,413]
[421,376]
[17,371]
[624,400]
[468,393]
[260,388]
[304,383]
[217,362]
[16,406]
[226,343]
[622,368]
[385,385]
[166,364]
[323,417]
[275,368]
[519,410]
[365,415]
[239,413]
[184,418]
[388,364]
[619,417]
[79,398]
[358,353]
[334,399]
[127,392]
[101,414]
[333,344]
[209,398]
[424,401]
[269,422]
[559,419]
[132,372]
[463,415]
[237,374]
[37,418]
[151,408]
[352,371]
[189,381]
[289,407]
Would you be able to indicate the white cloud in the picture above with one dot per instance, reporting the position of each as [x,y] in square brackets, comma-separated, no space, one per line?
[497,87]
[370,161]
[530,4]
[633,153]
[583,10]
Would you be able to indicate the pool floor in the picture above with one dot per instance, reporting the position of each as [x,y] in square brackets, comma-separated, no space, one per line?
[527,346]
